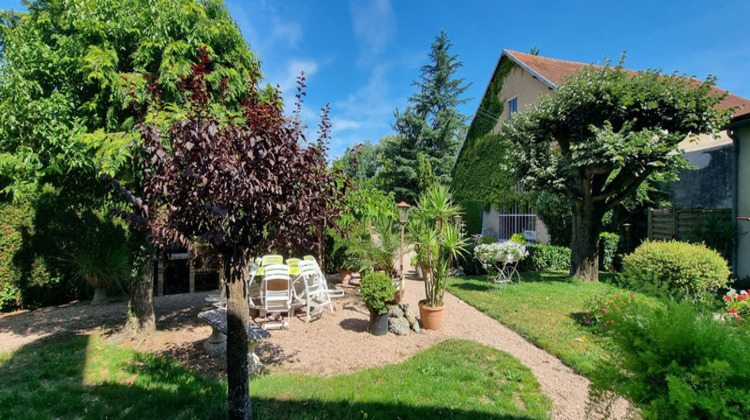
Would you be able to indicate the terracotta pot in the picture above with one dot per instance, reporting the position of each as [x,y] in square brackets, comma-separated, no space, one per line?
[378,324]
[346,276]
[432,318]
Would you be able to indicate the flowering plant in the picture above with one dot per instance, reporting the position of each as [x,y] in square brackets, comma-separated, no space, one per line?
[500,251]
[603,312]
[737,304]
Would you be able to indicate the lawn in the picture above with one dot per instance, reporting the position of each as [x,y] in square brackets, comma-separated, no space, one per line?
[84,378]
[547,309]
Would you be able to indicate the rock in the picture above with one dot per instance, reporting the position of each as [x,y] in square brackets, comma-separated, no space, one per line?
[404,306]
[411,318]
[398,326]
[395,312]
[415,327]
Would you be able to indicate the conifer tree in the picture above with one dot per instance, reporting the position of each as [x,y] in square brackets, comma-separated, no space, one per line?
[431,124]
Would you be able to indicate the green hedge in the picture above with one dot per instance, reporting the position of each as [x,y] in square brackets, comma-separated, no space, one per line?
[470,264]
[677,269]
[608,244]
[546,258]
[31,272]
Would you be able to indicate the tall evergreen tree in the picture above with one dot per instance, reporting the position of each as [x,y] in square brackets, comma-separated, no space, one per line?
[431,124]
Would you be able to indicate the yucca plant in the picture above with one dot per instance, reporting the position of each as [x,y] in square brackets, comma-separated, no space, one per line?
[437,242]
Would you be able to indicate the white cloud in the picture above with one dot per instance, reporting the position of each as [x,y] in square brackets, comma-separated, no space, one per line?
[373,26]
[343,124]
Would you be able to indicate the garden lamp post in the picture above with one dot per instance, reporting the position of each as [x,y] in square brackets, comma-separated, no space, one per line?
[403,217]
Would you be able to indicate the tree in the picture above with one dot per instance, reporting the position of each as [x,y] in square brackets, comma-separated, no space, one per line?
[242,183]
[431,124]
[72,73]
[360,162]
[601,136]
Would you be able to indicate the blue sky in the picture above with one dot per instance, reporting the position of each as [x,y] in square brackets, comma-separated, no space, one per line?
[362,55]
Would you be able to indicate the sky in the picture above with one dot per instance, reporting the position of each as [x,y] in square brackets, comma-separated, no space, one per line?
[361,56]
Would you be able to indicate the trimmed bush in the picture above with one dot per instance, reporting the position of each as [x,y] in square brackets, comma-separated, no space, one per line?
[608,243]
[487,240]
[377,290]
[471,265]
[683,364]
[518,238]
[677,269]
[546,258]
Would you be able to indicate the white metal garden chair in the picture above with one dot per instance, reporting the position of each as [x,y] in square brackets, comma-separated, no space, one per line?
[310,289]
[332,293]
[277,298]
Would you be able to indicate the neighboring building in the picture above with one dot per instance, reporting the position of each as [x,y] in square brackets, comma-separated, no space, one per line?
[739,131]
[517,82]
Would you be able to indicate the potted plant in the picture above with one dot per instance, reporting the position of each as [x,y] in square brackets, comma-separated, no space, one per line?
[438,243]
[377,290]
[101,259]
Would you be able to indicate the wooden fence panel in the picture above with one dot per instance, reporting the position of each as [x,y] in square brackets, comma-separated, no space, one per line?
[666,224]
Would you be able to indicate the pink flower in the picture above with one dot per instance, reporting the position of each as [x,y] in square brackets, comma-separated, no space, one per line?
[632,295]
[604,311]
[588,321]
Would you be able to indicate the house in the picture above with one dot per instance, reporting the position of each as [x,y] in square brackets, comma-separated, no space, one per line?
[517,82]
[739,131]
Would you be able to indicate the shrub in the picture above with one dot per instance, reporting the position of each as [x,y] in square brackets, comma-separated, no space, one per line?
[546,258]
[471,265]
[678,269]
[518,238]
[377,290]
[603,312]
[608,243]
[683,364]
[487,240]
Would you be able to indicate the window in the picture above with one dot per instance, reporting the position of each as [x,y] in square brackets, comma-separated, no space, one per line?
[512,107]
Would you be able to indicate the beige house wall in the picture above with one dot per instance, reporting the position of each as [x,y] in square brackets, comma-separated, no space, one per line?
[523,86]
[743,201]
[704,141]
[491,226]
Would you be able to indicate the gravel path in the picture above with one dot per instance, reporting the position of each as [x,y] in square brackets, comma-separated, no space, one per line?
[329,345]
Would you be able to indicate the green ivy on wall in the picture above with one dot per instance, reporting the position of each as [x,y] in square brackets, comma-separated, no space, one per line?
[481,173]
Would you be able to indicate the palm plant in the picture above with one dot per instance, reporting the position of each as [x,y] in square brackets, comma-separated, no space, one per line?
[375,249]
[437,242]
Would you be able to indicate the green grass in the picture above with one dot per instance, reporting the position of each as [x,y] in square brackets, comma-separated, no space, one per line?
[547,309]
[84,378]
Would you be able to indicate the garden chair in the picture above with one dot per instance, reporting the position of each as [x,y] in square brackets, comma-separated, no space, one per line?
[332,294]
[277,296]
[313,293]
[267,260]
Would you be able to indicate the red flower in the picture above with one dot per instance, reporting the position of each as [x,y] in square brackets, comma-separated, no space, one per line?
[727,298]
[734,311]
[741,297]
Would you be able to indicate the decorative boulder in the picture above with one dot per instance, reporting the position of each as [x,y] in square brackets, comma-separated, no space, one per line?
[398,326]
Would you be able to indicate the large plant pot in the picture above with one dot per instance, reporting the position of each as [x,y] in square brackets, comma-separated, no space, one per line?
[432,318]
[378,324]
[100,296]
[346,276]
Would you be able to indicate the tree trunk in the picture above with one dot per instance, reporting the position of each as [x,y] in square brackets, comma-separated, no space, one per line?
[584,249]
[238,320]
[141,306]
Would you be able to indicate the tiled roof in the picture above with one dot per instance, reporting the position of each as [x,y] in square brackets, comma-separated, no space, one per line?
[552,71]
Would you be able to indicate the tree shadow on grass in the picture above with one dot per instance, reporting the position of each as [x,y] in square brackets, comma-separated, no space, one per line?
[81,378]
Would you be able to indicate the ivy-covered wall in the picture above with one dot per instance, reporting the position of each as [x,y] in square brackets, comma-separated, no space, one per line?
[480,173]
